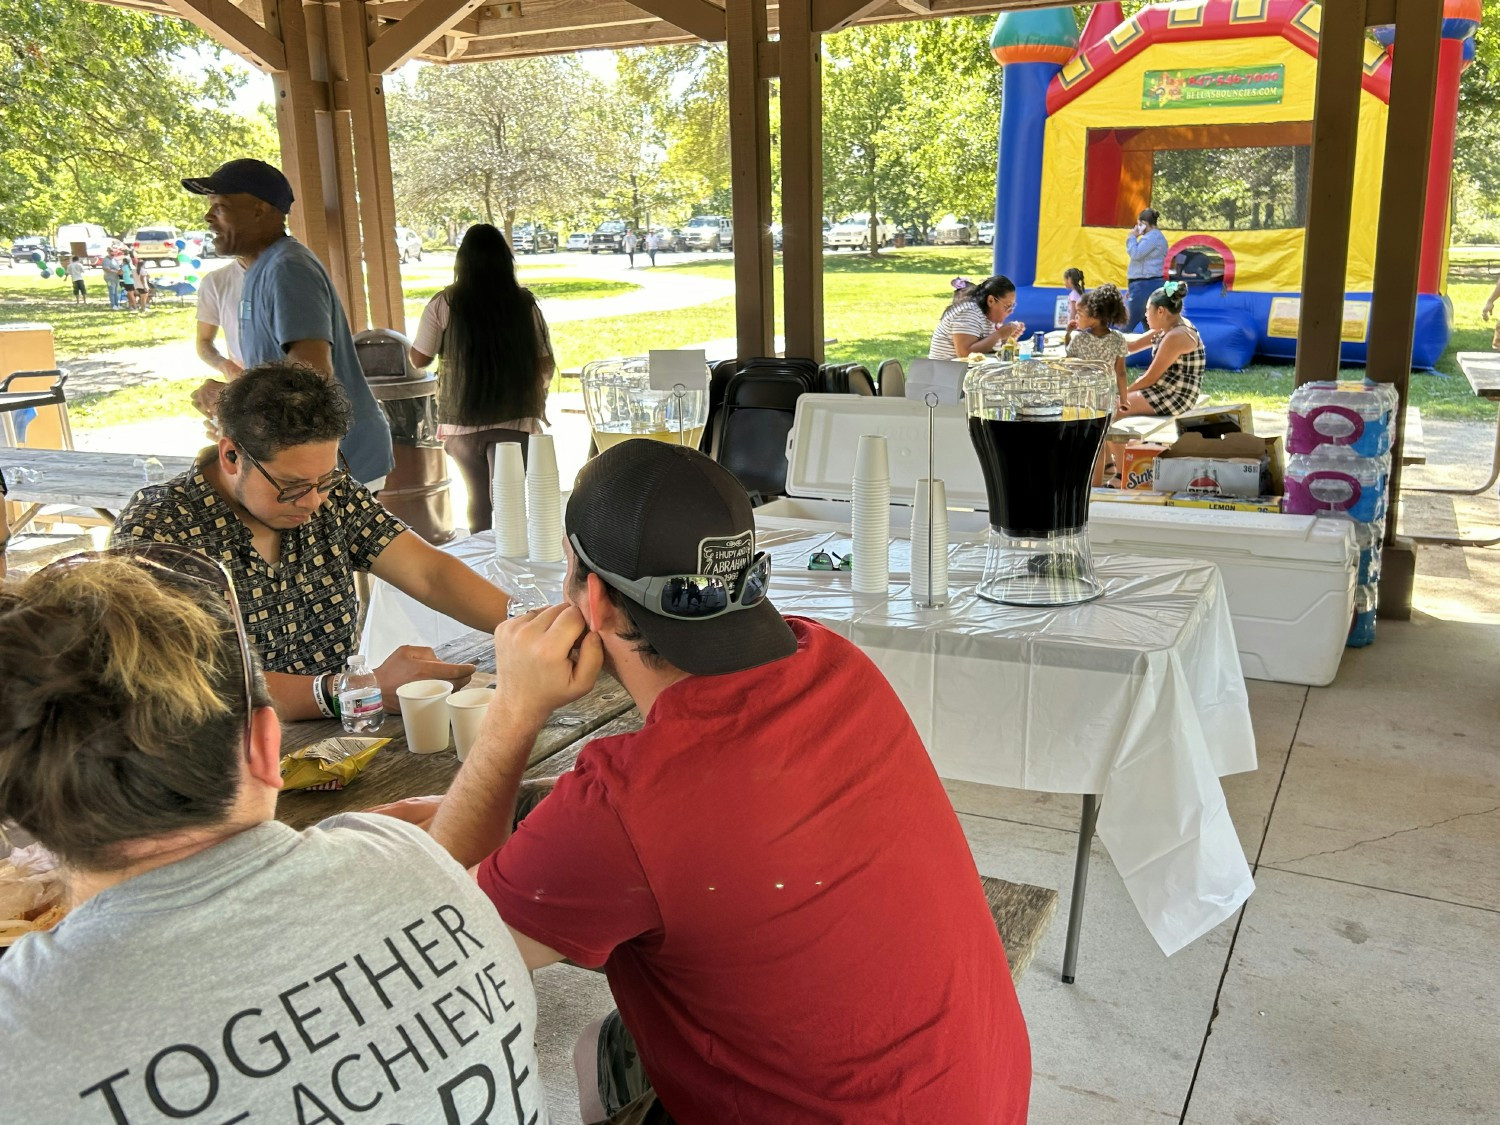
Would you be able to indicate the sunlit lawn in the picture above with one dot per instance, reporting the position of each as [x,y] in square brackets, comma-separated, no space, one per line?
[874,308]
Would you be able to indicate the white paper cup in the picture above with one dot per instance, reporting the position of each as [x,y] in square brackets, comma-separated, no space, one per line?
[937,592]
[465,715]
[510,466]
[424,714]
[872,460]
[541,456]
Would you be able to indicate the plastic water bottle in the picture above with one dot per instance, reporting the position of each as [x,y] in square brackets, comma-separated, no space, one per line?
[527,597]
[1362,628]
[361,702]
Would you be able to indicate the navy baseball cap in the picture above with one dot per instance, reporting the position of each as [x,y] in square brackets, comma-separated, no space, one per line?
[246,177]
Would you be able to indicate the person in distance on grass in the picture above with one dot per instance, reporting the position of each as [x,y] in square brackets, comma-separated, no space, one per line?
[274,503]
[743,867]
[217,965]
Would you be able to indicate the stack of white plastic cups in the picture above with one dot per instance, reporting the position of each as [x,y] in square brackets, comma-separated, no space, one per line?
[872,516]
[508,501]
[543,501]
[929,525]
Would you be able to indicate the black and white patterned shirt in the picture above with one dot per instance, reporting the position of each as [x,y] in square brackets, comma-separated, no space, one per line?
[301,614]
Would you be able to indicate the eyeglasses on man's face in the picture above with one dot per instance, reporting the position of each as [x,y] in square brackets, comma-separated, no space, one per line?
[291,493]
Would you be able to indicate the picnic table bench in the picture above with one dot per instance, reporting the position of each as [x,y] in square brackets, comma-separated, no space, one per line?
[104,482]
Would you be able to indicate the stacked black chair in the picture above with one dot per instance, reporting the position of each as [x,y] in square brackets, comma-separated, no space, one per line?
[755,418]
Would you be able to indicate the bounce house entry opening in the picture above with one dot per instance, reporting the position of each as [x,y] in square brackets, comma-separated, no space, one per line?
[1200,177]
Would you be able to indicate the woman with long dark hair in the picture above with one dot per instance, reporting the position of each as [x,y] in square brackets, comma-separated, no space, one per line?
[497,361]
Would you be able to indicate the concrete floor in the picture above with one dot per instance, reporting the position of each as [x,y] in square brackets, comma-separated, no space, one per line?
[1360,983]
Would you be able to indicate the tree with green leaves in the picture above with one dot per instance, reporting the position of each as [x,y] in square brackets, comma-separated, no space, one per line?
[102,114]
[502,140]
[909,118]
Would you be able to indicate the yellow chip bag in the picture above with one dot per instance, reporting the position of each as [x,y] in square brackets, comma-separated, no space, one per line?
[329,764]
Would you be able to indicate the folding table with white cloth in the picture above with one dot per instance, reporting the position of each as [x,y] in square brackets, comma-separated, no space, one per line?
[1136,700]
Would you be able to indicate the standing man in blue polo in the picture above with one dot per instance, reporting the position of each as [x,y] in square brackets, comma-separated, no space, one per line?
[1147,248]
[288,308]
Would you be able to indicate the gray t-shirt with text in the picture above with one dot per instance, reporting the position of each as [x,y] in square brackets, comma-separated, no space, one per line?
[350,973]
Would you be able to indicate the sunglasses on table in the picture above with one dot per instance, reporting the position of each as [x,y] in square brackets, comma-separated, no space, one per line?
[186,570]
[827,560]
[688,597]
[291,493]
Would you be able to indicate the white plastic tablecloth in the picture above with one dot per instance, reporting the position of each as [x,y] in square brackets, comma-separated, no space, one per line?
[1137,696]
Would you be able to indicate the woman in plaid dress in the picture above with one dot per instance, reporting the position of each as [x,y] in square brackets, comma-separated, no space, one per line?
[1170,385]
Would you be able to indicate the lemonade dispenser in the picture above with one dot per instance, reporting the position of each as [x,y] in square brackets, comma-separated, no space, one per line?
[1037,427]
[623,401]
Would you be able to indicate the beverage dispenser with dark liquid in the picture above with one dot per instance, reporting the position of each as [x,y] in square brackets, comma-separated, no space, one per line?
[1037,426]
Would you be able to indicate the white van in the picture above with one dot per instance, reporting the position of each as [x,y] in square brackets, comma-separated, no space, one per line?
[92,236]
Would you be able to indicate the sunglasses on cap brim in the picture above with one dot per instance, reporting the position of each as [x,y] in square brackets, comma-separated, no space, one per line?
[688,597]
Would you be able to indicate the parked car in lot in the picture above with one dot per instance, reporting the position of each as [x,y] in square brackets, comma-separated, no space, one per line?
[854,233]
[609,236]
[987,233]
[953,231]
[533,239]
[408,244]
[156,243]
[671,240]
[25,249]
[578,240]
[96,241]
[709,232]
[200,243]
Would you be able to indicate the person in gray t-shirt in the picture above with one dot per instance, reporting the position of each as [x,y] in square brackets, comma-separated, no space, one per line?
[288,308]
[216,965]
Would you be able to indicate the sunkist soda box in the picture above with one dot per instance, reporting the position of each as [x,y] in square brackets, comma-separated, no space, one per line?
[1139,464]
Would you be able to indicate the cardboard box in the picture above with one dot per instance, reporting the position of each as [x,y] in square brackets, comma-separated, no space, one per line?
[1270,504]
[1218,420]
[1138,464]
[1239,465]
[1120,496]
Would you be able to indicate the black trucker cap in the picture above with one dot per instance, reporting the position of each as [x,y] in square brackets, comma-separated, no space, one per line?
[649,509]
[246,177]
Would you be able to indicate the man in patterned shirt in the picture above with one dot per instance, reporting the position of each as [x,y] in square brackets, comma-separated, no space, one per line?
[274,504]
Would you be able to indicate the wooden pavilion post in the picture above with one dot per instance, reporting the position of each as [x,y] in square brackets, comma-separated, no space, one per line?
[1330,193]
[800,67]
[750,177]
[1398,239]
[1398,253]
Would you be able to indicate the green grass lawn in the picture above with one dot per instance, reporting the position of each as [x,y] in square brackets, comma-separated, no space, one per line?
[875,308]
[91,328]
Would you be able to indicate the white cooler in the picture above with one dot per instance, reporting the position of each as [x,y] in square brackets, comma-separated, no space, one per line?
[1289,579]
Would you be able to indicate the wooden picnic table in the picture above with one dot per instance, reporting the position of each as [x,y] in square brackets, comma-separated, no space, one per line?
[104,482]
[1482,370]
[395,773]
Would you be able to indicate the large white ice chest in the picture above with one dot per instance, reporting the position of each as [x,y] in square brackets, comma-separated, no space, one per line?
[1289,579]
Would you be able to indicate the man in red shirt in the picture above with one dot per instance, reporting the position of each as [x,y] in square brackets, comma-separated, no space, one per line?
[769,871]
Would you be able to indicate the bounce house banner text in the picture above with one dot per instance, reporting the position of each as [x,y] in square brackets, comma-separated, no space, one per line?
[1170,89]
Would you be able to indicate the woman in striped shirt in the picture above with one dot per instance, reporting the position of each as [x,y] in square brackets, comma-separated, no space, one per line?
[973,322]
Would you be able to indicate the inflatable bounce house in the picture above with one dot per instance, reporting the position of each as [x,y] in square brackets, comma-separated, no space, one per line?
[1202,110]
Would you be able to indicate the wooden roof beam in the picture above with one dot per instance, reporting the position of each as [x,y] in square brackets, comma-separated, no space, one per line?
[654,33]
[835,15]
[226,24]
[703,19]
[419,29]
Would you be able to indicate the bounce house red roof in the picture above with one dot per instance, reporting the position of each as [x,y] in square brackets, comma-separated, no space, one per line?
[1190,21]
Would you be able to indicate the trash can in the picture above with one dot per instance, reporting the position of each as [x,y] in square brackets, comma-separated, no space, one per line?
[417,488]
